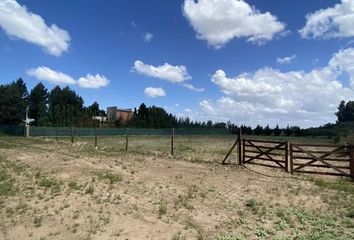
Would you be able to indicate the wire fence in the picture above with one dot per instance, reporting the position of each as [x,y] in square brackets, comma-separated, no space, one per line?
[206,144]
[64,131]
[12,130]
[16,130]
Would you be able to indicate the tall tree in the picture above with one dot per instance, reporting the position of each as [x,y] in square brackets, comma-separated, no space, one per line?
[94,110]
[13,102]
[65,107]
[345,112]
[38,100]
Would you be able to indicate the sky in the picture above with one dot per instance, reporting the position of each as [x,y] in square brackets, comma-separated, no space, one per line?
[249,62]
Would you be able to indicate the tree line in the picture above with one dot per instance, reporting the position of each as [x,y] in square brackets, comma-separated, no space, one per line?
[60,107]
[63,107]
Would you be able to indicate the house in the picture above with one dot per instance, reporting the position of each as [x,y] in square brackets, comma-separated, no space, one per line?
[116,114]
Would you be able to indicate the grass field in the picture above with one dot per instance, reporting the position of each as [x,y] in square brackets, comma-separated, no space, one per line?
[51,190]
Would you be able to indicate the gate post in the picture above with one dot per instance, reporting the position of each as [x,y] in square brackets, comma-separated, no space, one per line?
[287,156]
[172,140]
[72,135]
[351,163]
[243,151]
[96,137]
[126,139]
[291,158]
[239,146]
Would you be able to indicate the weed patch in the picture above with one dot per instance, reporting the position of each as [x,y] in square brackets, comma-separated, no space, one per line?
[111,177]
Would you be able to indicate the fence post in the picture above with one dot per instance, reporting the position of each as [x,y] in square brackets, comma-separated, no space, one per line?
[351,157]
[43,132]
[286,156]
[291,158]
[240,146]
[72,135]
[95,137]
[56,134]
[244,150]
[172,139]
[126,139]
[27,130]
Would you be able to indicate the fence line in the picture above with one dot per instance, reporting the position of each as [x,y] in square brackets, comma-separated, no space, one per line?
[338,160]
[299,158]
[67,131]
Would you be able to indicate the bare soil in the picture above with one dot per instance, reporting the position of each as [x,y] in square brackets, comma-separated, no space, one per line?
[52,190]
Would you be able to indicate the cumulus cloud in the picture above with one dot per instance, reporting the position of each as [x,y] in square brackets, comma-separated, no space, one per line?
[218,22]
[167,72]
[18,22]
[191,87]
[343,61]
[286,60]
[272,96]
[148,37]
[56,77]
[49,75]
[333,22]
[154,92]
[93,81]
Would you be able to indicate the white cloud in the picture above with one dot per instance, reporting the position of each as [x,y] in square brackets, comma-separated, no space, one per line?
[191,87]
[271,96]
[56,77]
[286,60]
[148,37]
[243,85]
[18,22]
[343,61]
[49,75]
[218,22]
[334,22]
[174,74]
[154,92]
[93,81]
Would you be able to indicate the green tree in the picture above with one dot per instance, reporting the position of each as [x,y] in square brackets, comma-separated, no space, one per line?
[13,102]
[345,112]
[65,107]
[276,131]
[38,109]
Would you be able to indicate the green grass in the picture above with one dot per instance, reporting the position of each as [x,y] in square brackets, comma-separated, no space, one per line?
[8,171]
[7,187]
[74,185]
[253,205]
[162,209]
[47,182]
[343,185]
[111,177]
[227,236]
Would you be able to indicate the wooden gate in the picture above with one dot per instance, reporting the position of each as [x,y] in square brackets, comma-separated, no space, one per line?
[321,159]
[265,153]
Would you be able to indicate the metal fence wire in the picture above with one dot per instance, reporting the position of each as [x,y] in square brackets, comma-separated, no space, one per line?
[64,131]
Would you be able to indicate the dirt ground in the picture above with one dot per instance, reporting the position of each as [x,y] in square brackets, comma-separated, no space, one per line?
[51,190]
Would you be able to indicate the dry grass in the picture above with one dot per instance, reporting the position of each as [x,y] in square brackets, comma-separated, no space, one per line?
[52,190]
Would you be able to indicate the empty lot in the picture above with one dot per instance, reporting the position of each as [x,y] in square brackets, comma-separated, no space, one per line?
[51,190]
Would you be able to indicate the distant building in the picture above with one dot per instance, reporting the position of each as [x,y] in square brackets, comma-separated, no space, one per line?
[116,114]
[99,119]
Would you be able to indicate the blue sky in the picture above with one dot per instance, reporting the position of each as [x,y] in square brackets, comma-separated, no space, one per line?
[250,62]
